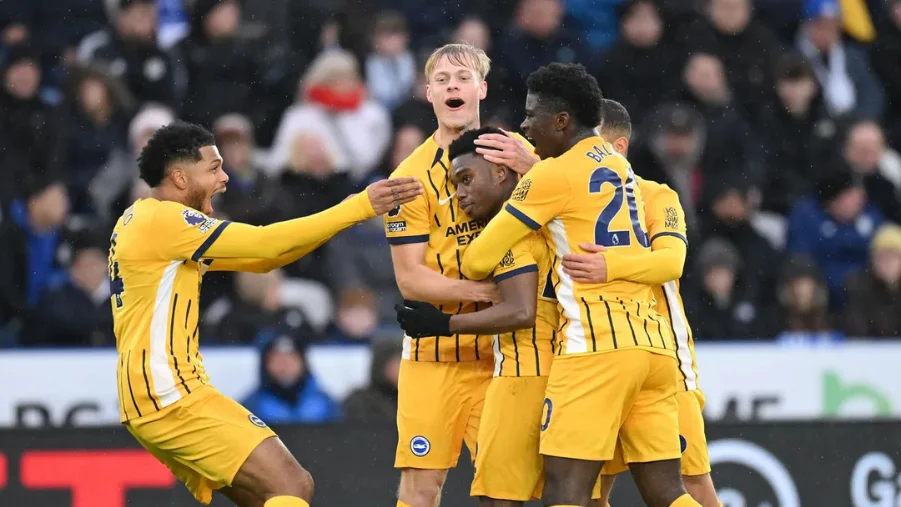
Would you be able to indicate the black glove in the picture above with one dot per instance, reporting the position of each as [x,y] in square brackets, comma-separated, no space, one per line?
[420,320]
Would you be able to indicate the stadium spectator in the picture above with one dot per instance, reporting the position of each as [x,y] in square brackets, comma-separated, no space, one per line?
[730,143]
[288,392]
[128,51]
[800,134]
[31,257]
[333,104]
[390,66]
[416,109]
[730,219]
[99,108]
[877,166]
[874,294]
[803,305]
[834,229]
[253,197]
[76,311]
[224,73]
[720,310]
[31,133]
[885,54]
[356,318]
[377,402]
[747,49]
[843,69]
[639,66]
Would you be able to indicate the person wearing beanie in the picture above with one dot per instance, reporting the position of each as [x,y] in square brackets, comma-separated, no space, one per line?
[874,293]
[834,228]
[288,391]
[721,310]
[843,69]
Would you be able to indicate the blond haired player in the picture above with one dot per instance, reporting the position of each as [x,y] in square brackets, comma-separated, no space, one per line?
[159,250]
[614,378]
[665,218]
[442,380]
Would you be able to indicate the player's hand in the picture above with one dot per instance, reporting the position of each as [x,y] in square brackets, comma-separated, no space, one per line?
[488,292]
[419,319]
[512,154]
[385,195]
[587,268]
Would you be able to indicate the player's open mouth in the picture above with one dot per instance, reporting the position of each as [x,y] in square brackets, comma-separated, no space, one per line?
[454,104]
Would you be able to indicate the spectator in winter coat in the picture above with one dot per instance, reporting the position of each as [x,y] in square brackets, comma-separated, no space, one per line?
[377,402]
[288,392]
[834,229]
[874,294]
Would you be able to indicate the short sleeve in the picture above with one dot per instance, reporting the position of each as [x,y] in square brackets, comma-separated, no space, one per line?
[516,261]
[408,223]
[183,233]
[664,214]
[540,196]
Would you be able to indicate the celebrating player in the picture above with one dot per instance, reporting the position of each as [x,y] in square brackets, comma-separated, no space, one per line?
[159,250]
[615,374]
[666,228]
[508,466]
[442,380]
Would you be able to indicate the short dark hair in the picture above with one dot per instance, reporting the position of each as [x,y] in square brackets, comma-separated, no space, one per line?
[569,87]
[792,67]
[615,118]
[466,142]
[178,141]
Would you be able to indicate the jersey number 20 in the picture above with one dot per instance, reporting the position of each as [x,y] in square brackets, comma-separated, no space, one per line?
[602,233]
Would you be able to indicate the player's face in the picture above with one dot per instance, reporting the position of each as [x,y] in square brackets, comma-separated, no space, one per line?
[455,91]
[479,185]
[539,128]
[205,179]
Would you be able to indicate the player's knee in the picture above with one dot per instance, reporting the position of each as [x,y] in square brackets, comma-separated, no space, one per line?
[421,488]
[700,487]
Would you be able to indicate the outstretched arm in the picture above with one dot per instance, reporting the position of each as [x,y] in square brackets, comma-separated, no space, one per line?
[515,311]
[503,232]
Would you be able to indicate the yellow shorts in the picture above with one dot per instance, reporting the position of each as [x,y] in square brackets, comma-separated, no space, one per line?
[508,466]
[438,410]
[593,398]
[695,459]
[204,438]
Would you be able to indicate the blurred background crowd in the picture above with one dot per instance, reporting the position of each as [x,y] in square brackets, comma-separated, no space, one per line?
[776,121]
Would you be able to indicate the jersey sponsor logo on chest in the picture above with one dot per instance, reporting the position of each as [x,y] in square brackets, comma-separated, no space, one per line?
[465,232]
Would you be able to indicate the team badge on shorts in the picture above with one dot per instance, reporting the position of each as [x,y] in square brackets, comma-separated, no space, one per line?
[256,421]
[420,446]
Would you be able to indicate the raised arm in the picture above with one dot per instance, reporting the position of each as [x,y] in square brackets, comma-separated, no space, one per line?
[191,235]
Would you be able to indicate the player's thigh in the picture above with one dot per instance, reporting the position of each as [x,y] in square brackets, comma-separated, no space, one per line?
[242,497]
[434,409]
[586,400]
[207,433]
[508,466]
[650,432]
[695,457]
[478,375]
[604,487]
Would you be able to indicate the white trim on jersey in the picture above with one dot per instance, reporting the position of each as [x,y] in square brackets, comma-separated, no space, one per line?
[575,331]
[498,357]
[680,330]
[160,372]
[407,346]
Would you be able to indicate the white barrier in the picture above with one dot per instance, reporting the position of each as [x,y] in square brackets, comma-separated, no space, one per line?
[748,381]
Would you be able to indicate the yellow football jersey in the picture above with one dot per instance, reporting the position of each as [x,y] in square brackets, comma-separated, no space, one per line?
[665,217]
[528,352]
[437,219]
[589,195]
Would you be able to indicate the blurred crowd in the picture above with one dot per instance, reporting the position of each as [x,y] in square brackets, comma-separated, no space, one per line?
[776,121]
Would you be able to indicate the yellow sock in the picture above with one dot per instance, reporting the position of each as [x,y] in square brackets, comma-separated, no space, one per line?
[401,504]
[683,501]
[286,501]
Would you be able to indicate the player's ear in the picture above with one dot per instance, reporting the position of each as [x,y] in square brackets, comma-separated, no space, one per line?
[428,93]
[621,145]
[561,120]
[179,178]
[483,89]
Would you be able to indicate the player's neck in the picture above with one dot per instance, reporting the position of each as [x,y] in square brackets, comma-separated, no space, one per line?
[447,135]
[163,193]
[578,137]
